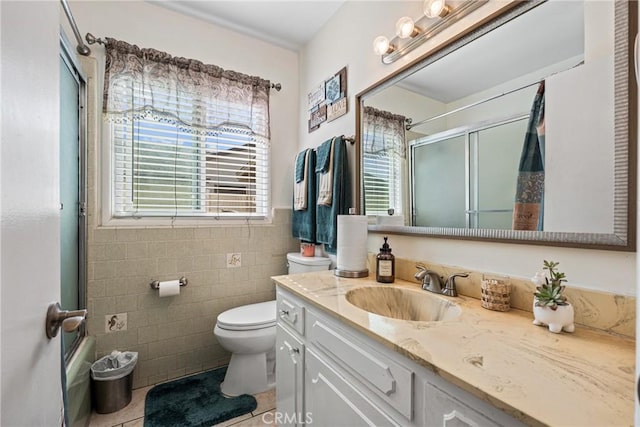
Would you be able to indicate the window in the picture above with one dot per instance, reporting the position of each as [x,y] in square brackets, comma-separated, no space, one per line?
[383,158]
[160,170]
[187,139]
[383,183]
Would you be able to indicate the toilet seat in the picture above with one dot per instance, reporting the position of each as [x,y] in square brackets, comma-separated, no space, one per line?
[248,317]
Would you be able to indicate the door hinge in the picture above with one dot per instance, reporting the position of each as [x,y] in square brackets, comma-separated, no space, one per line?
[82,209]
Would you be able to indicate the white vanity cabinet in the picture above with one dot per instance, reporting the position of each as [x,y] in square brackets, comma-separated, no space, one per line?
[330,374]
[289,376]
[290,355]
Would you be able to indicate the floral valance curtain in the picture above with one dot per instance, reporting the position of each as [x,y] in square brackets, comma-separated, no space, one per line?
[198,98]
[384,133]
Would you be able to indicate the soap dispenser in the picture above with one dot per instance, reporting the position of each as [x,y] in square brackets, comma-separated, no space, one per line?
[385,264]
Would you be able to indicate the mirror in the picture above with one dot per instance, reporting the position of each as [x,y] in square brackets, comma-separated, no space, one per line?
[521,130]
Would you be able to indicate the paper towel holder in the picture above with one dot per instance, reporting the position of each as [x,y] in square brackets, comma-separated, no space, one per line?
[156,283]
[351,274]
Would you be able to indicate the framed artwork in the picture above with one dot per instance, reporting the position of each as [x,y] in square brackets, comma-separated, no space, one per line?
[328,100]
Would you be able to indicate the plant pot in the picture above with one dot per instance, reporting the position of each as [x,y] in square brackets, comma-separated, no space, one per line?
[557,320]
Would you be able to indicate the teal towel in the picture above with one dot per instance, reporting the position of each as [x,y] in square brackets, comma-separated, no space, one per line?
[322,163]
[300,165]
[303,223]
[327,216]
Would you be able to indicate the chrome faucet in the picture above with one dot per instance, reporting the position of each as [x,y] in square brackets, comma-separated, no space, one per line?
[431,281]
[450,285]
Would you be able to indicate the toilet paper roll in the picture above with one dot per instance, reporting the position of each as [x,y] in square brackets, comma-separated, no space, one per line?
[169,288]
[352,243]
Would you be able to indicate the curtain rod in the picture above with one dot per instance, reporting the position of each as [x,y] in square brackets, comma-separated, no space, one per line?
[91,39]
[82,48]
[409,124]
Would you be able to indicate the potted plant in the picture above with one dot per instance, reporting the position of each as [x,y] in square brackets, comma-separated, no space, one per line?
[550,306]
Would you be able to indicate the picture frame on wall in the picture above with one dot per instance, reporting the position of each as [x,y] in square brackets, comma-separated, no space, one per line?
[328,100]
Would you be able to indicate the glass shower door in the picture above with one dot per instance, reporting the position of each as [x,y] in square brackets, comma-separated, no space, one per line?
[72,261]
[439,183]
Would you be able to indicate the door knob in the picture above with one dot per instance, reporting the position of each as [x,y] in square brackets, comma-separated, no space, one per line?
[56,317]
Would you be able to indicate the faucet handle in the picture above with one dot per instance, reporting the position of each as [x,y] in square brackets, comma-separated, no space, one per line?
[454,275]
[450,284]
[421,267]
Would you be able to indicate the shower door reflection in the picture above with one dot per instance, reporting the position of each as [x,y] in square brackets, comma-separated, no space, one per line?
[466,178]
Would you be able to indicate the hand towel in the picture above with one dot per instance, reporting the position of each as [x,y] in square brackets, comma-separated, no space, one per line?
[325,179]
[322,156]
[300,187]
[300,163]
[327,216]
[303,223]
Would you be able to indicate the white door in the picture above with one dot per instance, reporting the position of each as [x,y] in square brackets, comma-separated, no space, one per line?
[29,207]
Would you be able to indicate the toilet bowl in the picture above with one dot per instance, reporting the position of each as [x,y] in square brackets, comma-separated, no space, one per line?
[249,333]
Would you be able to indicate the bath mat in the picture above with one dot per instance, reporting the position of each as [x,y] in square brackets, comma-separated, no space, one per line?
[194,401]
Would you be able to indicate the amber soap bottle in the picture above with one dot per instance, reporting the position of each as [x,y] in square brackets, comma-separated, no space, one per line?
[385,264]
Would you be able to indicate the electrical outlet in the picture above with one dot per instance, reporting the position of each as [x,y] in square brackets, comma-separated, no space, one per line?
[115,322]
[234,260]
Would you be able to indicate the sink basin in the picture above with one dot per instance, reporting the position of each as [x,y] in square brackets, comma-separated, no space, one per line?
[403,304]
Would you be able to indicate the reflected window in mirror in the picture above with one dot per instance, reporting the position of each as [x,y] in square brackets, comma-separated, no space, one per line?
[383,160]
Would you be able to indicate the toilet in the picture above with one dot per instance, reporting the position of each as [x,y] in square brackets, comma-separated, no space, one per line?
[249,333]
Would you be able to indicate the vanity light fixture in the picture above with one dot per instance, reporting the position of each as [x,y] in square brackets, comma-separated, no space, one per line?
[405,28]
[410,34]
[436,8]
[381,46]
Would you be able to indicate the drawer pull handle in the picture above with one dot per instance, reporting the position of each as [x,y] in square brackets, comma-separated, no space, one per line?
[295,350]
[284,312]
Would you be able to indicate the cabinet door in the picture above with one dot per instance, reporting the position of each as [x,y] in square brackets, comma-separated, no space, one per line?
[289,378]
[331,401]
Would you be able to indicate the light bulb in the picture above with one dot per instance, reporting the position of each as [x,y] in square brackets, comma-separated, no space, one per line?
[435,8]
[381,45]
[405,28]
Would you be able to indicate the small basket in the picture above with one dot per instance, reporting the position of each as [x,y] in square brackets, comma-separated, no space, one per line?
[495,293]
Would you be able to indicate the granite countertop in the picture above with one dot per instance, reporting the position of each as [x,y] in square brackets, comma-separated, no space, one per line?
[585,378]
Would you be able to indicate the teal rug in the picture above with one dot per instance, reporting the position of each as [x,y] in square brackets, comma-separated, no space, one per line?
[194,401]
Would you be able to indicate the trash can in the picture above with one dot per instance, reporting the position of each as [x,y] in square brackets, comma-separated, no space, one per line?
[112,381]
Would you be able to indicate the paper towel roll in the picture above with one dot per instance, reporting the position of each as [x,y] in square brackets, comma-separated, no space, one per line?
[169,288]
[352,243]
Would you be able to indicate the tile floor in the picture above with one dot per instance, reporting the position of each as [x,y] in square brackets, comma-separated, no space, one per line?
[133,414]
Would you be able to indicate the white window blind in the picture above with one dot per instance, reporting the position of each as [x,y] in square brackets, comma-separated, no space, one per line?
[161,170]
[382,183]
[384,154]
[187,139]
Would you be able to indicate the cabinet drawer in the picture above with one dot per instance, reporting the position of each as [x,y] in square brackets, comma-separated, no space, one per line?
[290,312]
[387,379]
[331,400]
[443,409]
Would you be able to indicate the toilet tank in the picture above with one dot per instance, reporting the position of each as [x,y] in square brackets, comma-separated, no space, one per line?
[297,263]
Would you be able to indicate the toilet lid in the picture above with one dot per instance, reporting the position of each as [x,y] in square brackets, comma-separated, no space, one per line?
[246,317]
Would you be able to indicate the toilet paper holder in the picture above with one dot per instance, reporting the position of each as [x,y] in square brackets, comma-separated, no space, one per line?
[156,283]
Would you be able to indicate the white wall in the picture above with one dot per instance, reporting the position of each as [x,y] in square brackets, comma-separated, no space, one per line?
[347,40]
[151,26]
